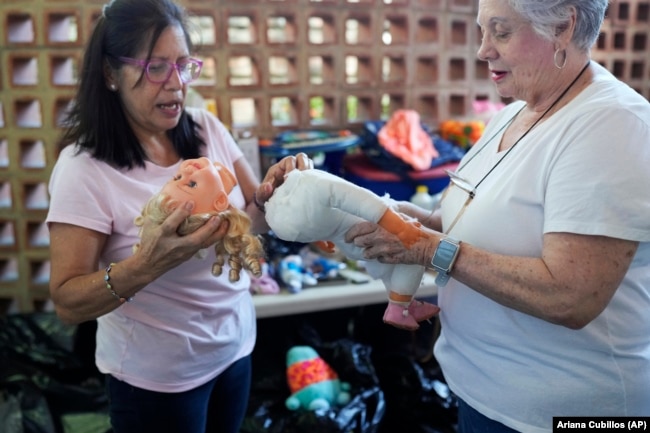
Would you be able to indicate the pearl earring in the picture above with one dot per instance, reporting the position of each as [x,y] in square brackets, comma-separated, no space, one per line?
[113,87]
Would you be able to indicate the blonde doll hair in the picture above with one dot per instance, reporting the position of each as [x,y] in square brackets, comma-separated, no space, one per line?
[242,248]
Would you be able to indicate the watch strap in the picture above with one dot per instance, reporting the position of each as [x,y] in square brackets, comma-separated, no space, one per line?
[442,278]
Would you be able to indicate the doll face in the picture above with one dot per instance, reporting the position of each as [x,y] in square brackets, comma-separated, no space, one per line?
[204,182]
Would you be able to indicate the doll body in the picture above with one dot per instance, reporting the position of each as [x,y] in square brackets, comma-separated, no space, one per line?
[313,205]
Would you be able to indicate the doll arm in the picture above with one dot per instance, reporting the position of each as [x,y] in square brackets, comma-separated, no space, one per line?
[315,205]
[407,231]
[326,246]
[367,205]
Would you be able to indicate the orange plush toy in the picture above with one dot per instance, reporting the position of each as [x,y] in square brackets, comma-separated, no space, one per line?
[404,137]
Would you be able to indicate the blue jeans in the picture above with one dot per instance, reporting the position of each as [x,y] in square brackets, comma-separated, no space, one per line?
[471,421]
[218,406]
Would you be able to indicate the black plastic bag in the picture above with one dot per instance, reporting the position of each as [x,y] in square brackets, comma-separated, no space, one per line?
[352,362]
[38,340]
[40,369]
[417,396]
[11,417]
[24,409]
[418,399]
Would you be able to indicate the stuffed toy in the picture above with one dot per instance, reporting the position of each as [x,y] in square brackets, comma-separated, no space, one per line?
[265,284]
[404,137]
[316,206]
[294,275]
[313,383]
[321,267]
[208,185]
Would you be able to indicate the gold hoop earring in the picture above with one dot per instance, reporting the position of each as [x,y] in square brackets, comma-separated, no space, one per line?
[555,59]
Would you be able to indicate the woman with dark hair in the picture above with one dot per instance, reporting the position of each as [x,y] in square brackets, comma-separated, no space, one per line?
[173,340]
[542,241]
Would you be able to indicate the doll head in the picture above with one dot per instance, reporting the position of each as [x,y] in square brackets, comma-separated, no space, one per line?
[206,183]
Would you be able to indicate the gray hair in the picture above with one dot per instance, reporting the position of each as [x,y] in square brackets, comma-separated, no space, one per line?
[549,18]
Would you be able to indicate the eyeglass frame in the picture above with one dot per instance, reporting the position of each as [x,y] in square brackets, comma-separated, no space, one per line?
[174,66]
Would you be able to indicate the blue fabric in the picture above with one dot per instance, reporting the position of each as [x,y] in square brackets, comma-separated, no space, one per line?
[219,406]
[471,421]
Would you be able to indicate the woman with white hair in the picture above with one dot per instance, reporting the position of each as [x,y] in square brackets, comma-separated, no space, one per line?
[543,234]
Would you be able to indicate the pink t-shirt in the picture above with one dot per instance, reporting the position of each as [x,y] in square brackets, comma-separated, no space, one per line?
[187,326]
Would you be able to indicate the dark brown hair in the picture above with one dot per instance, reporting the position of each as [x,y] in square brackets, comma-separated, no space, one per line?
[96,121]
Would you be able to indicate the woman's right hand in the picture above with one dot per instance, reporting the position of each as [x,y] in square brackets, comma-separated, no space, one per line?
[162,248]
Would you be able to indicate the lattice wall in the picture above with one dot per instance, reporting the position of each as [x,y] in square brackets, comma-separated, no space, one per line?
[270,65]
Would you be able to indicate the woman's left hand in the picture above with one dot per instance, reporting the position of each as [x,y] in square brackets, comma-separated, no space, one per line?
[277,172]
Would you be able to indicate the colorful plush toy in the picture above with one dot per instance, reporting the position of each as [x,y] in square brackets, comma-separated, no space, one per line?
[313,383]
[313,205]
[294,275]
[321,267]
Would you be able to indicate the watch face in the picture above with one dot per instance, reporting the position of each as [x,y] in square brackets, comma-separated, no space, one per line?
[444,255]
[446,252]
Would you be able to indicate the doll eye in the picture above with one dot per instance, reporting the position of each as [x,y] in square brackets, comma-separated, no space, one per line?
[177,177]
[192,184]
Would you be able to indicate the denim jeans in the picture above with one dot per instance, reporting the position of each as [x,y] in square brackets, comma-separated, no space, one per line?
[471,421]
[218,406]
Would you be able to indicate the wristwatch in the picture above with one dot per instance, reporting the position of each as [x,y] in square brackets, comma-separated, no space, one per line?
[444,258]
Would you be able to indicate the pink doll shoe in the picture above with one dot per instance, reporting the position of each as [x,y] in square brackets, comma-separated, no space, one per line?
[421,310]
[400,317]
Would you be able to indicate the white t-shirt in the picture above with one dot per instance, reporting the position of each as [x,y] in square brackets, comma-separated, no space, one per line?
[584,170]
[186,327]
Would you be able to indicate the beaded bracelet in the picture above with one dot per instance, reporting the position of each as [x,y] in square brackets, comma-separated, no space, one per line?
[107,279]
[257,203]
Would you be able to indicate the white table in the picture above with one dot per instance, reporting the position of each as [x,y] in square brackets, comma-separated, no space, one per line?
[330,297]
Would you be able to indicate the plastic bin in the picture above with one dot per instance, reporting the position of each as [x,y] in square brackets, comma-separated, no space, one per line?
[358,169]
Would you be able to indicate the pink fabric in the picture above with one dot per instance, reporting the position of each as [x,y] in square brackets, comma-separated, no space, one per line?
[404,137]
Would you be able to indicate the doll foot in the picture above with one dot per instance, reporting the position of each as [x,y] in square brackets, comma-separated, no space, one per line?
[400,317]
[421,310]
